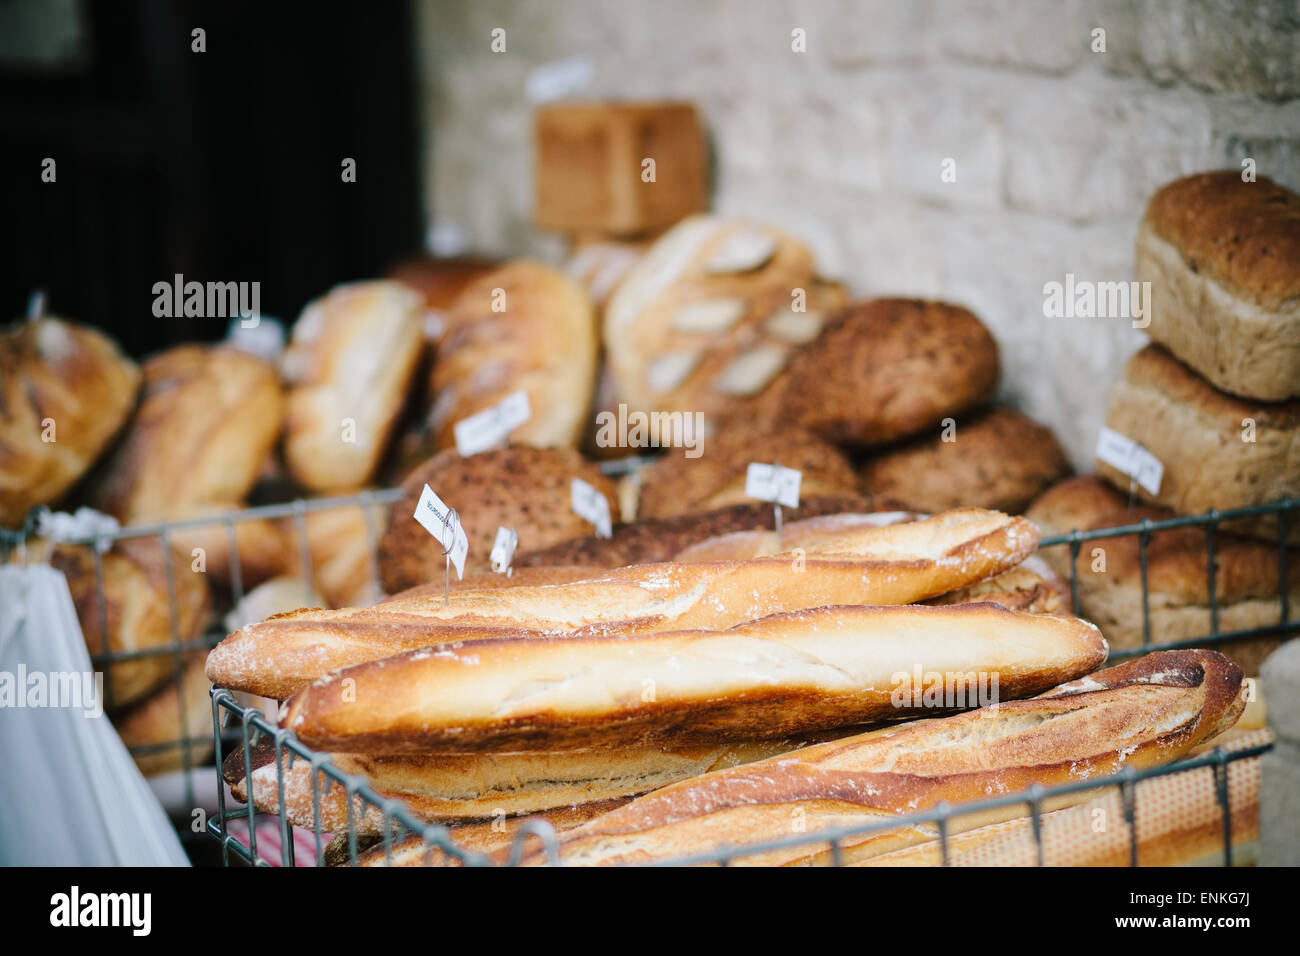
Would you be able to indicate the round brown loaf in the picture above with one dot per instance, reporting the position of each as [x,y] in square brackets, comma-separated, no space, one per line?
[676,484]
[518,487]
[884,370]
[999,459]
[52,371]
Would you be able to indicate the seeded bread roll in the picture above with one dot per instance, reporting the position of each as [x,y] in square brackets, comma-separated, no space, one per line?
[678,484]
[1218,450]
[884,370]
[711,315]
[1223,260]
[350,366]
[1247,576]
[520,487]
[997,459]
[208,416]
[661,539]
[65,390]
[523,327]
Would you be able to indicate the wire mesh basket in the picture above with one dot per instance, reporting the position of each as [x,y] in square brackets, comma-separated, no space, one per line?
[251,836]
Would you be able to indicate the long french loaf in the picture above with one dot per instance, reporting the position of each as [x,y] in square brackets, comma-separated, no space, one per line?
[1141,713]
[795,672]
[854,565]
[451,788]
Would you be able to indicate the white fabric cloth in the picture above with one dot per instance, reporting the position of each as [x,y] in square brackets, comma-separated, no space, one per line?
[70,795]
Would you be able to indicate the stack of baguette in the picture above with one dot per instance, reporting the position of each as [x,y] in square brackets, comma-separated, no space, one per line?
[772,650]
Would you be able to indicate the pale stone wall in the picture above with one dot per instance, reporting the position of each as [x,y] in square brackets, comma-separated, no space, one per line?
[1056,147]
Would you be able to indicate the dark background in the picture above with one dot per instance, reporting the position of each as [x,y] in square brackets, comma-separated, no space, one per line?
[222,166]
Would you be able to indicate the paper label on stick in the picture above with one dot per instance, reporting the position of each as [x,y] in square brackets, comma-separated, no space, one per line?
[1132,459]
[441,522]
[590,504]
[773,483]
[492,426]
[503,549]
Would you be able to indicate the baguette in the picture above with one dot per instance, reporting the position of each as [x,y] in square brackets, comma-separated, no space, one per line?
[892,565]
[1141,713]
[499,834]
[788,673]
[1179,822]
[451,788]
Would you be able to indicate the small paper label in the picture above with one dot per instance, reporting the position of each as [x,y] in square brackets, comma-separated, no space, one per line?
[490,427]
[265,338]
[503,549]
[1131,458]
[773,483]
[590,504]
[443,524]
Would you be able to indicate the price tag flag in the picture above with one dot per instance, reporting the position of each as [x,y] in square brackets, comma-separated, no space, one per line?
[503,549]
[773,483]
[1126,455]
[440,522]
[492,426]
[590,504]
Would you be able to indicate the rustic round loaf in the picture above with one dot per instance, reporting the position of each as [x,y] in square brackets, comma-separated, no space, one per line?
[517,487]
[676,484]
[999,459]
[884,370]
[65,390]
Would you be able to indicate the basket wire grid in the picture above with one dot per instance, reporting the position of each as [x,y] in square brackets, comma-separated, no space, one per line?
[235,723]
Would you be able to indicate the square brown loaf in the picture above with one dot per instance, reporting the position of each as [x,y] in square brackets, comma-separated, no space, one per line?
[1223,260]
[1200,435]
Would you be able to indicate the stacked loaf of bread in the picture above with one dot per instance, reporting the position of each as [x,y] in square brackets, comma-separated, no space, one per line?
[1215,398]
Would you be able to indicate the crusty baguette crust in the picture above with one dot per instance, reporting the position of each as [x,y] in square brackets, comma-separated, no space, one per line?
[1141,713]
[450,788]
[891,565]
[482,837]
[790,673]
